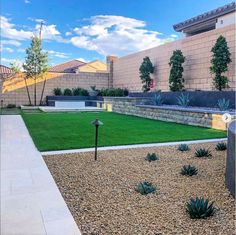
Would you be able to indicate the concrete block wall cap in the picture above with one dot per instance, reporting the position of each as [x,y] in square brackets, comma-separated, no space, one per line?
[200,110]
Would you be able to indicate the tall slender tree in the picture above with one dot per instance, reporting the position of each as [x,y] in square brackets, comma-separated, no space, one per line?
[36,62]
[220,60]
[145,69]
[176,80]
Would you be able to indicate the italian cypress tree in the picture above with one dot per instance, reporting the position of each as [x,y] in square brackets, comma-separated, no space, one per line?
[220,60]
[36,62]
[145,70]
[176,79]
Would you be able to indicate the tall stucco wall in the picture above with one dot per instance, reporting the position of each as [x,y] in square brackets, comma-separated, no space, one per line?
[19,96]
[196,49]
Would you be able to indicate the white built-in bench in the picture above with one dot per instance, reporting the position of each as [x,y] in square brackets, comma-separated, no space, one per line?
[70,104]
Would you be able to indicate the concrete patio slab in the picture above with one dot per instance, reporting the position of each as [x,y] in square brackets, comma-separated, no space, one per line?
[30,200]
[47,153]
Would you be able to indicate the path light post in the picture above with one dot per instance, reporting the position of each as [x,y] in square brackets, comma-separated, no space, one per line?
[1,106]
[96,123]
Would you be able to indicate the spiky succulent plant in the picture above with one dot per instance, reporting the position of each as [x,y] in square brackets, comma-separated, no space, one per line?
[151,157]
[183,147]
[189,170]
[145,188]
[221,146]
[200,208]
[202,152]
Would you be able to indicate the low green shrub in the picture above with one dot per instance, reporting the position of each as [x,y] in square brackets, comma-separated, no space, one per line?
[183,147]
[67,92]
[221,146]
[80,92]
[202,152]
[119,92]
[151,157]
[11,106]
[158,100]
[200,208]
[183,100]
[57,91]
[189,170]
[145,188]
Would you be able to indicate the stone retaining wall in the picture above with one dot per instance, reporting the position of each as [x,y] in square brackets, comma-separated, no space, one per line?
[130,106]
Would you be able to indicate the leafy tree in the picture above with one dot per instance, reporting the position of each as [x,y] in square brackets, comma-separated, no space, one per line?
[176,79]
[36,62]
[220,60]
[145,70]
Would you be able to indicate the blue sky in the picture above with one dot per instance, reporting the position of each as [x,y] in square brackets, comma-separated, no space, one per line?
[92,29]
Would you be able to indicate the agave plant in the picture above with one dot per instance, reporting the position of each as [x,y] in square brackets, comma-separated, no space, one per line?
[223,104]
[183,147]
[221,146]
[189,170]
[183,100]
[152,157]
[200,208]
[145,188]
[202,152]
[158,100]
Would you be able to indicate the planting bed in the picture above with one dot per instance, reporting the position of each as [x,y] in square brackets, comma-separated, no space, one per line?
[102,198]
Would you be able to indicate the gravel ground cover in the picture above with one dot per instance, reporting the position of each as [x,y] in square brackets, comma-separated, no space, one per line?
[102,198]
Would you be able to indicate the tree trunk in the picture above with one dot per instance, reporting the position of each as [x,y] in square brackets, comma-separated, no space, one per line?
[41,99]
[35,91]
[27,89]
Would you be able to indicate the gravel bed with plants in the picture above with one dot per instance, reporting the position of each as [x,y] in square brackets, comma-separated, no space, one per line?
[133,192]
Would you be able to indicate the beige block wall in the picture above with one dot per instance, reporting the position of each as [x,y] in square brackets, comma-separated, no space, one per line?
[83,80]
[196,49]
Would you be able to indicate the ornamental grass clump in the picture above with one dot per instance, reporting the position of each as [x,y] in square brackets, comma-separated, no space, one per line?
[202,152]
[183,100]
[189,170]
[223,104]
[183,147]
[151,157]
[200,208]
[158,100]
[145,188]
[221,146]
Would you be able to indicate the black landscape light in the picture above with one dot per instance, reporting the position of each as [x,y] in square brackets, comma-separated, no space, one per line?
[1,106]
[96,123]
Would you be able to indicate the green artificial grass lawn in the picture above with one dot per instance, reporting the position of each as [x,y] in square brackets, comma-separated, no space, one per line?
[57,131]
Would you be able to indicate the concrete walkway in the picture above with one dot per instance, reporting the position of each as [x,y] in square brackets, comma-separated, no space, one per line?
[132,146]
[30,200]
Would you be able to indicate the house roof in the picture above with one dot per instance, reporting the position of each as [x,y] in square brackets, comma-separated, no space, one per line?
[5,70]
[67,67]
[95,65]
[213,14]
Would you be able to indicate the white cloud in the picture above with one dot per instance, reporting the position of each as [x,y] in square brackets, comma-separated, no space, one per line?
[21,50]
[10,42]
[9,31]
[27,1]
[118,35]
[36,20]
[58,54]
[6,49]
[68,33]
[82,59]
[49,32]
[174,35]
